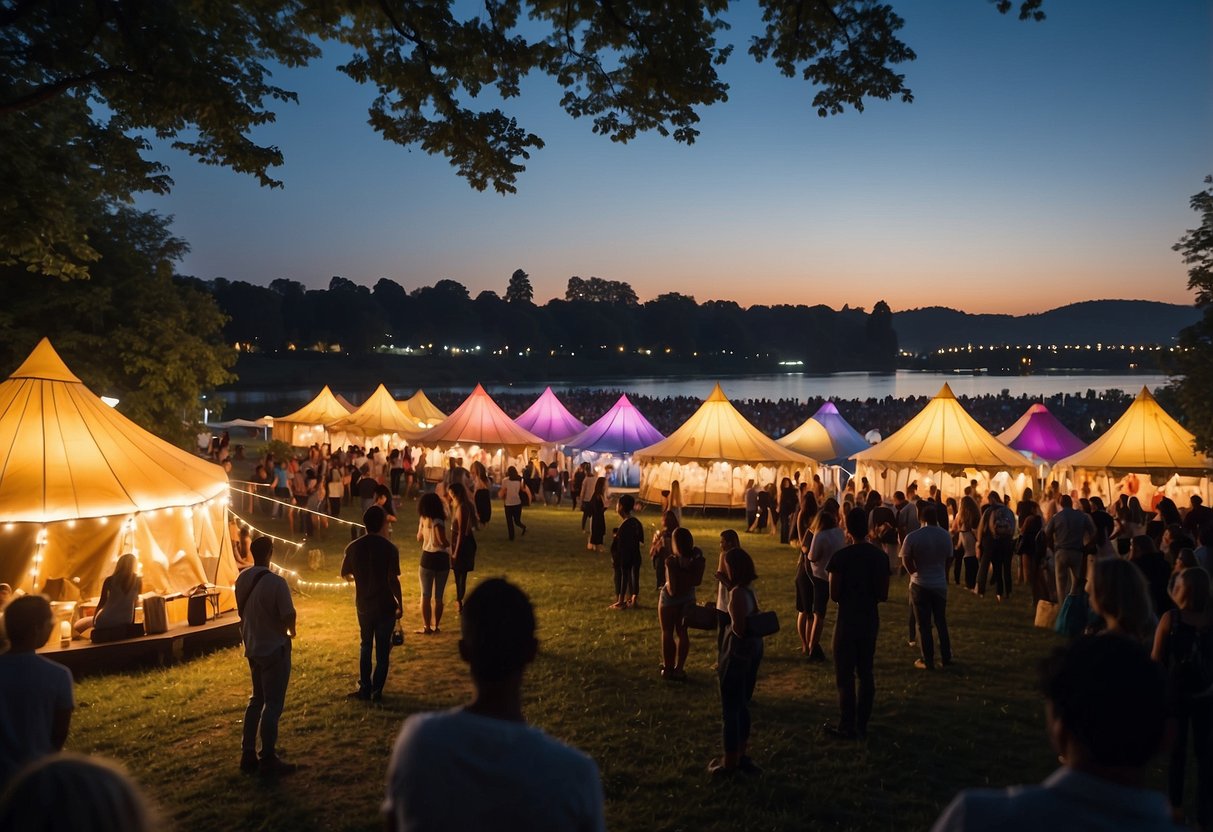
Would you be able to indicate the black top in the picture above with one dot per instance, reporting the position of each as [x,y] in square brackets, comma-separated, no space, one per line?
[1158,575]
[863,571]
[597,520]
[628,539]
[374,561]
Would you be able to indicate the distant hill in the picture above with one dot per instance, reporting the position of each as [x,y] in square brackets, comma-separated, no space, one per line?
[1088,322]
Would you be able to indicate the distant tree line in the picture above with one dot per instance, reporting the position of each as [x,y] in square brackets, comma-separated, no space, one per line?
[594,317]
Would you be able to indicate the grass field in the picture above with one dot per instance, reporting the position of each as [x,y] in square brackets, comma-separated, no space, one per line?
[595,686]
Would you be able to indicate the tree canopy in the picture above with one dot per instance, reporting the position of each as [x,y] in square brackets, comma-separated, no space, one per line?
[1195,359]
[86,85]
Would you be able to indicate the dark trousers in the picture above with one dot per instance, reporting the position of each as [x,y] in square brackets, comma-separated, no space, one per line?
[970,572]
[396,474]
[854,655]
[627,578]
[785,528]
[956,564]
[461,583]
[377,636]
[737,680]
[513,517]
[722,626]
[931,605]
[270,677]
[1000,560]
[1195,718]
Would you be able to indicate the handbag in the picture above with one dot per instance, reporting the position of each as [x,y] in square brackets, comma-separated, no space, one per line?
[762,624]
[700,616]
[1046,614]
[155,617]
[398,635]
[197,609]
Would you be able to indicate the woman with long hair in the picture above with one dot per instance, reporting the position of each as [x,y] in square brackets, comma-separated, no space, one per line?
[511,492]
[1120,597]
[683,572]
[115,615]
[597,516]
[463,540]
[737,667]
[805,519]
[673,501]
[481,493]
[828,538]
[663,546]
[1184,645]
[967,520]
[435,559]
[789,503]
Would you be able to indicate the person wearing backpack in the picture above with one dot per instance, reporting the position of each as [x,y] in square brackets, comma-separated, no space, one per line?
[999,537]
[1183,644]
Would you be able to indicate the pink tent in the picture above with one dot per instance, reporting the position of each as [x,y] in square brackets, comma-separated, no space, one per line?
[1039,433]
[479,421]
[549,419]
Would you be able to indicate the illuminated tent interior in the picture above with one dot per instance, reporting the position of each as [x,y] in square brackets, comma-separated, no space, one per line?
[1144,451]
[309,424]
[422,410]
[378,423]
[80,484]
[477,429]
[612,438]
[943,445]
[1041,436]
[549,419]
[712,455]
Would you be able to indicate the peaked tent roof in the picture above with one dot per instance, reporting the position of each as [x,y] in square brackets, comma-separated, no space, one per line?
[420,406]
[718,432]
[621,430]
[480,421]
[1144,439]
[322,410]
[1039,433]
[826,436]
[943,434]
[344,402]
[379,415]
[549,419]
[65,454]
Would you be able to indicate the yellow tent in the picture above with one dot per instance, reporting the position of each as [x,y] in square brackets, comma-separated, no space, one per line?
[712,455]
[1147,450]
[80,484]
[378,423]
[945,442]
[309,424]
[422,409]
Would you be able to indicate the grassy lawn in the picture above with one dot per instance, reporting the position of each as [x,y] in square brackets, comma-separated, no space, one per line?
[596,686]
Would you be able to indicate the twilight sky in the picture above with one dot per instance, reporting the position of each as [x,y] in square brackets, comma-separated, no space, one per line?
[1040,164]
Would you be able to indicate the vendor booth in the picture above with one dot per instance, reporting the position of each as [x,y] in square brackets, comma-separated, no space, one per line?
[477,430]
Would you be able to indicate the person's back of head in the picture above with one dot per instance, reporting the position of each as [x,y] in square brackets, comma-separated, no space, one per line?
[74,793]
[28,622]
[1119,592]
[1067,501]
[740,567]
[1192,590]
[1107,703]
[857,524]
[926,513]
[374,518]
[626,503]
[497,632]
[262,550]
[899,497]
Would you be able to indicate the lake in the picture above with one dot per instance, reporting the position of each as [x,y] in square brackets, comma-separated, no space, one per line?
[254,403]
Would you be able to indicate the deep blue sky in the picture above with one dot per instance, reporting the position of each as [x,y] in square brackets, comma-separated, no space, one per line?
[1040,164]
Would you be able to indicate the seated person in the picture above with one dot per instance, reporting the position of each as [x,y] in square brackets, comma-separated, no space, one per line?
[115,615]
[36,699]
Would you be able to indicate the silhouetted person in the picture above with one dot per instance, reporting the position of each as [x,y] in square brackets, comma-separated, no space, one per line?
[372,562]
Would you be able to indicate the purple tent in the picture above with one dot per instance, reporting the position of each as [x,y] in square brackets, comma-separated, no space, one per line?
[1040,434]
[846,439]
[620,430]
[549,419]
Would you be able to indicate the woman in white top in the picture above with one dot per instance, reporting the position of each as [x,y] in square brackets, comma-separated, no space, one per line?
[511,492]
[435,559]
[115,615]
[827,539]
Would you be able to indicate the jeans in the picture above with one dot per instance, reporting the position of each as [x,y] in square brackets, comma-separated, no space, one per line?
[854,655]
[1196,717]
[377,635]
[270,677]
[931,604]
[513,517]
[737,680]
[1067,563]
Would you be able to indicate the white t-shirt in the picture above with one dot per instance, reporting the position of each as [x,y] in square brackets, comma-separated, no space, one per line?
[823,547]
[32,689]
[453,770]
[265,606]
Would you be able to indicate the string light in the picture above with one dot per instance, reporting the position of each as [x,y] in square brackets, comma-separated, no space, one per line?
[294,507]
[282,570]
[39,547]
[297,544]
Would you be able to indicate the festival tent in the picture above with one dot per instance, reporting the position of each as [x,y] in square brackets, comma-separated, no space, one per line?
[1144,451]
[549,419]
[378,423]
[423,410]
[309,424]
[480,428]
[945,446]
[713,454]
[827,437]
[612,439]
[1041,436]
[80,484]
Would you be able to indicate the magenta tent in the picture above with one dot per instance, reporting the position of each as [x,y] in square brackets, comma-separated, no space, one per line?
[1039,433]
[620,430]
[549,419]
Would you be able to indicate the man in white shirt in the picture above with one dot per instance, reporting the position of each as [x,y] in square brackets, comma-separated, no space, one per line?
[925,554]
[481,766]
[1106,719]
[267,624]
[36,699]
